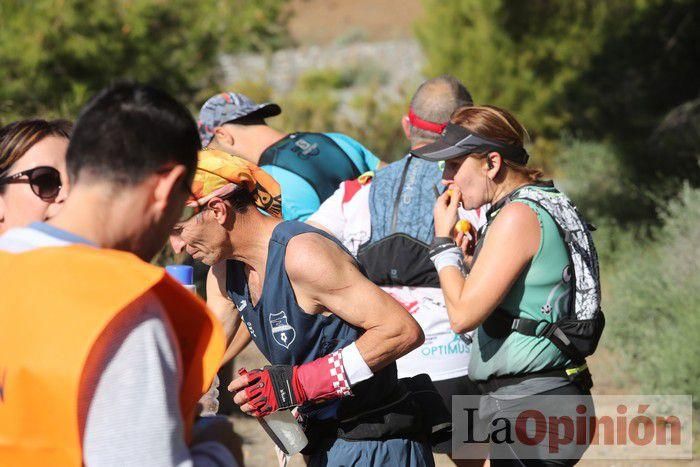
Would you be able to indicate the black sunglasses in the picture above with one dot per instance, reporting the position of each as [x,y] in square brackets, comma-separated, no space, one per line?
[45,181]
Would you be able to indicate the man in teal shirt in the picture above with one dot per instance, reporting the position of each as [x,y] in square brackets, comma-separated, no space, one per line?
[308,166]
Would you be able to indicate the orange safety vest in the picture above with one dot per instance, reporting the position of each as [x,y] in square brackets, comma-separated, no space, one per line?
[54,304]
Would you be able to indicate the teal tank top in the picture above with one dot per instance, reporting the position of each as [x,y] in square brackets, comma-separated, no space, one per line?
[540,293]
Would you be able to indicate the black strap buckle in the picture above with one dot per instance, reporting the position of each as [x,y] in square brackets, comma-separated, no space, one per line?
[548,329]
[530,327]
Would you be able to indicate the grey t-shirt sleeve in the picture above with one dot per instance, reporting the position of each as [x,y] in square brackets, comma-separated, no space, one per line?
[131,393]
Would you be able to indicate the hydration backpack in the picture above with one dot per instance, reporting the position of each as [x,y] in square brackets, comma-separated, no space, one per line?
[314,157]
[401,202]
[578,334]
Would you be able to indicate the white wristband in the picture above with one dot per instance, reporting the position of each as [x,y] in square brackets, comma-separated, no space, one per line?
[356,369]
[449,257]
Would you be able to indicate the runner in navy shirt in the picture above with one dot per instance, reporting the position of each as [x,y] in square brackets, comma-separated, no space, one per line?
[331,335]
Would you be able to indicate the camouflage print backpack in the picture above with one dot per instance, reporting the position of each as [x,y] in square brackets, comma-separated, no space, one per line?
[578,334]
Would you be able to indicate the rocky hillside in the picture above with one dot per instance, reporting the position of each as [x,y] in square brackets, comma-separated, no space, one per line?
[397,61]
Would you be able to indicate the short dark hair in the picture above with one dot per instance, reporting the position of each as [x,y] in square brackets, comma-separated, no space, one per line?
[241,200]
[129,131]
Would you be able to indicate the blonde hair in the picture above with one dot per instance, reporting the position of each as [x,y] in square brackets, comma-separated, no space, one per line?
[500,125]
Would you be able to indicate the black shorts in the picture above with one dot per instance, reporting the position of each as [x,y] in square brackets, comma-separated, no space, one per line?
[505,456]
[460,386]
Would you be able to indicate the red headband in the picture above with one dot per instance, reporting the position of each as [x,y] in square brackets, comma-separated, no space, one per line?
[418,122]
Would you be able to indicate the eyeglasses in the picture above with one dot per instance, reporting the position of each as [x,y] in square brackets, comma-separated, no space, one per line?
[45,181]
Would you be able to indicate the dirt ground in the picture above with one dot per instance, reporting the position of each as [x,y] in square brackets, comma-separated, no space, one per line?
[320,22]
[259,452]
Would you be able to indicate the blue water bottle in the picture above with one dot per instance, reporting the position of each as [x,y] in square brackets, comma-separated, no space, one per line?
[184,274]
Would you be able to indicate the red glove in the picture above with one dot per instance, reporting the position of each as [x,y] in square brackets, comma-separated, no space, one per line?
[279,387]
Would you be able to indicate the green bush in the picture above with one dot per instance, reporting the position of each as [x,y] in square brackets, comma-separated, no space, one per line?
[593,175]
[604,71]
[308,111]
[55,54]
[258,91]
[519,55]
[602,67]
[316,104]
[377,124]
[653,319]
[326,79]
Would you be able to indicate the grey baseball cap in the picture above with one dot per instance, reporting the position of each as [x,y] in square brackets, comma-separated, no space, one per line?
[227,107]
[456,141]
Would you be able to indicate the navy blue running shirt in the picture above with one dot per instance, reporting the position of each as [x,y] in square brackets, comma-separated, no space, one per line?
[283,332]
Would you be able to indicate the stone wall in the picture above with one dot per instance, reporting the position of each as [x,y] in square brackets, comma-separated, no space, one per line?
[399,61]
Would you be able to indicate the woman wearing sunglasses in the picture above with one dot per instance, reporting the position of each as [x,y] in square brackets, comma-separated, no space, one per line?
[522,287]
[32,170]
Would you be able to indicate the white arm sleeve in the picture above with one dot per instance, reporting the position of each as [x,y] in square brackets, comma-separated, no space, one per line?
[355,367]
[134,417]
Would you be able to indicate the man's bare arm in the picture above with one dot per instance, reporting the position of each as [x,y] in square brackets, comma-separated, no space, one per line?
[325,279]
[328,277]
[239,342]
[219,302]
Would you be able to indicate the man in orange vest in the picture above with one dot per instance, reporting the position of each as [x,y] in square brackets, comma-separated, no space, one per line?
[102,356]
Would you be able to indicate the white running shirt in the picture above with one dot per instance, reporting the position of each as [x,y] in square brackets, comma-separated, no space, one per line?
[444,354]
